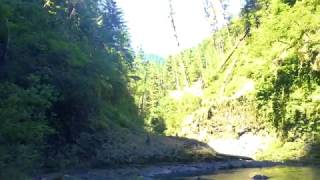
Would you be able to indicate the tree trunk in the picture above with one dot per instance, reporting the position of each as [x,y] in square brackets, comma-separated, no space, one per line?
[4,40]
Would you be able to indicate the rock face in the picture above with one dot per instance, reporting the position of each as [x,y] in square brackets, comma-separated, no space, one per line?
[246,145]
[260,177]
[229,127]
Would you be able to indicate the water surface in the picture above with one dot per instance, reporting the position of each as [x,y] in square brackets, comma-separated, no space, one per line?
[275,173]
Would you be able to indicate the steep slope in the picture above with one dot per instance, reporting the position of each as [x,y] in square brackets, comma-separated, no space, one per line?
[260,76]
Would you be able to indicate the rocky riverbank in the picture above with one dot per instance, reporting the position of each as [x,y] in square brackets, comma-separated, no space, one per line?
[159,171]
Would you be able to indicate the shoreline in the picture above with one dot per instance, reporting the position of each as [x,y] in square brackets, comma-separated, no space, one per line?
[149,172]
[204,168]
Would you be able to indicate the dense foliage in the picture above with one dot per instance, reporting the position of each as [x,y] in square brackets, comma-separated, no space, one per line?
[63,82]
[69,81]
[269,57]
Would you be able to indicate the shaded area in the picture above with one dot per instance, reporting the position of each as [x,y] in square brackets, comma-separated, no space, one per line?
[312,155]
[163,171]
[126,152]
[63,84]
[276,173]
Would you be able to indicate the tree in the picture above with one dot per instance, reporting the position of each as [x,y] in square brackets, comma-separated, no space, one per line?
[4,33]
[66,79]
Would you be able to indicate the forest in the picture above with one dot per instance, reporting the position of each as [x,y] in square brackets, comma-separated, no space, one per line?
[268,59]
[73,93]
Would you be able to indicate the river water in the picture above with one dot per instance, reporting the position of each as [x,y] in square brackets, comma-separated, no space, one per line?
[275,173]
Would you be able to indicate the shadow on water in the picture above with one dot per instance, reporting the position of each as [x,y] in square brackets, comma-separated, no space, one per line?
[276,173]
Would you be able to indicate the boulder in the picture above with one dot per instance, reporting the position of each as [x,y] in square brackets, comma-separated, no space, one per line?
[259,177]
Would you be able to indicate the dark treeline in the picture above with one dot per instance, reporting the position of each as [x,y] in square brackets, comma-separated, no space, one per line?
[63,82]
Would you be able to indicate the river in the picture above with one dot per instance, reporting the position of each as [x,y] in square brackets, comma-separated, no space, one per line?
[274,173]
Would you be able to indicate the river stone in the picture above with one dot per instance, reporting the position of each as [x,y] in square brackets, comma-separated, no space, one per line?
[260,177]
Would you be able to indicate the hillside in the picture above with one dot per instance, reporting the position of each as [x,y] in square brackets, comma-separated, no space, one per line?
[259,77]
[65,101]
[74,95]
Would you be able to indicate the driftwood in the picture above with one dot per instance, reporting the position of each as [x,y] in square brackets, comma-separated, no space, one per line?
[228,156]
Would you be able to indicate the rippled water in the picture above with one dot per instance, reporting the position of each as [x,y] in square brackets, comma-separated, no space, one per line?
[275,173]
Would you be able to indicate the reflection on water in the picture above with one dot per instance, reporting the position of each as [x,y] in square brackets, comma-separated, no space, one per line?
[275,173]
